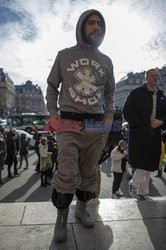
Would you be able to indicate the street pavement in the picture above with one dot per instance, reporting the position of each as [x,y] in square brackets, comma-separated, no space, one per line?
[27,216]
[126,224]
[26,187]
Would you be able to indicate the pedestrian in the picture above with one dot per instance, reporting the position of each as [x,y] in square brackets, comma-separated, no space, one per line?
[34,128]
[2,155]
[164,141]
[17,146]
[145,112]
[11,154]
[2,131]
[24,150]
[44,164]
[38,139]
[119,166]
[17,141]
[162,156]
[52,148]
[86,78]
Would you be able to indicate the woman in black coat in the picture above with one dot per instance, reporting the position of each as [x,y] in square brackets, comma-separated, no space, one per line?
[145,111]
[11,154]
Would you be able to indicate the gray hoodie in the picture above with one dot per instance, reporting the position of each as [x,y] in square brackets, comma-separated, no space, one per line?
[85,77]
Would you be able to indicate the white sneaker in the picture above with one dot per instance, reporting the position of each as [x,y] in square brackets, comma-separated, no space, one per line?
[119,193]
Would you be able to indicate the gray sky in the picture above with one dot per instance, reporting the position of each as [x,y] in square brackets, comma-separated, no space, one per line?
[33,31]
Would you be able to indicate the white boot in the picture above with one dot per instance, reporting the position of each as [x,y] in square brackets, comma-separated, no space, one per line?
[60,231]
[119,193]
[83,215]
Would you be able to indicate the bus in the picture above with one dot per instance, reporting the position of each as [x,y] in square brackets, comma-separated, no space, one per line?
[25,121]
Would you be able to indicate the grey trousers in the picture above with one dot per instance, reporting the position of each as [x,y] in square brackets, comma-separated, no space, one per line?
[140,180]
[78,155]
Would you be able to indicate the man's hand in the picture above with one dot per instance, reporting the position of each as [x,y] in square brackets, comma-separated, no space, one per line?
[107,120]
[155,123]
[53,123]
[55,118]
[107,123]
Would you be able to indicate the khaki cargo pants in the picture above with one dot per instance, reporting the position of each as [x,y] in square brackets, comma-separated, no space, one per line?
[78,155]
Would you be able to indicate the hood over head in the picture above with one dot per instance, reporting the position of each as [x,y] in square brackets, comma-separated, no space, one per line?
[81,21]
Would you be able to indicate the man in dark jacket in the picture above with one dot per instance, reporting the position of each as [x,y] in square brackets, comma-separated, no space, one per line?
[145,111]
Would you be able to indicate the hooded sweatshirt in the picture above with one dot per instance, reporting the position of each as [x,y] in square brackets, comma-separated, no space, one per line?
[85,77]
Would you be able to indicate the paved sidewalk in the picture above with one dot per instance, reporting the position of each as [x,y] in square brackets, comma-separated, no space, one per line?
[120,224]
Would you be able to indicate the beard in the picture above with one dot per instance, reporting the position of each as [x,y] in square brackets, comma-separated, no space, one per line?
[89,40]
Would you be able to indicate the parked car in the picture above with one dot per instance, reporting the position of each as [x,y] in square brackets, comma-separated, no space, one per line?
[19,132]
[3,122]
[28,136]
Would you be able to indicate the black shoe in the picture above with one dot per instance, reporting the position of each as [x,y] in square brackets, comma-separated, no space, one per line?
[16,174]
[47,183]
[1,182]
[37,171]
[141,197]
[10,176]
[158,175]
[165,169]
[43,185]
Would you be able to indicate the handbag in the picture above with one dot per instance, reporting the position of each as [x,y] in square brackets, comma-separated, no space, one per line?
[46,162]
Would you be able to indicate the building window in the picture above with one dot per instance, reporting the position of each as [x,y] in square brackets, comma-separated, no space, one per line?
[131,81]
[137,81]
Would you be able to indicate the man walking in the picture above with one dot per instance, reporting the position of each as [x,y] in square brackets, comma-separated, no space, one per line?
[145,111]
[85,102]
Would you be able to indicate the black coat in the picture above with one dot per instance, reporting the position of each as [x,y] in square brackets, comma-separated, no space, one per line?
[144,142]
[24,146]
[11,151]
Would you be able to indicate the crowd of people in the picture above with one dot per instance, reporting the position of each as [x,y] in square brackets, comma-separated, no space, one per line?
[80,90]
[14,149]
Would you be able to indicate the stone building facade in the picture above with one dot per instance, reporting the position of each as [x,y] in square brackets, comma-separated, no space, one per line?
[18,99]
[29,99]
[7,95]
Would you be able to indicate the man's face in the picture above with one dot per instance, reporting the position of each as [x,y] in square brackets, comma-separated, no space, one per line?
[152,78]
[92,30]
